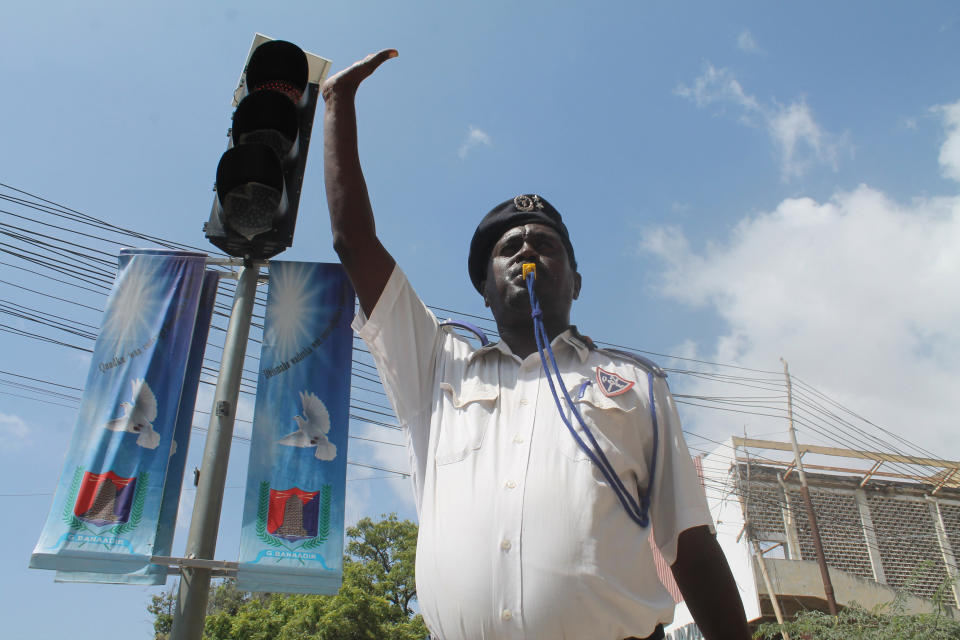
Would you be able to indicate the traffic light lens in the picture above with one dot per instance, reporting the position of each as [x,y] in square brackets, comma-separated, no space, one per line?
[267,117]
[291,91]
[269,137]
[278,65]
[250,186]
[250,208]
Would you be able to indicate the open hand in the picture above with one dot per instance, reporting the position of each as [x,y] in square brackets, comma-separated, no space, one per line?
[346,82]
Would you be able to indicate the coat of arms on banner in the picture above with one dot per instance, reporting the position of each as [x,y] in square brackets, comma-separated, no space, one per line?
[285,517]
[105,500]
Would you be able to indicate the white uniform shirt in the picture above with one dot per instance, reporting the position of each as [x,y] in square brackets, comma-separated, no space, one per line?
[520,535]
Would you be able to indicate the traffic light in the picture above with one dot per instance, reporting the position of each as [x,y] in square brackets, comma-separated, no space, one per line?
[259,177]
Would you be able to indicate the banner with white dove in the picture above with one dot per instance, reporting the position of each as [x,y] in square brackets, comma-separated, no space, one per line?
[155,574]
[292,535]
[106,508]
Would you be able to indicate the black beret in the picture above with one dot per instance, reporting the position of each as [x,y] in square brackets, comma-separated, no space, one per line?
[507,215]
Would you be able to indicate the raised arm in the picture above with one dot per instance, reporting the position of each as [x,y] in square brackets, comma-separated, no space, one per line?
[367,262]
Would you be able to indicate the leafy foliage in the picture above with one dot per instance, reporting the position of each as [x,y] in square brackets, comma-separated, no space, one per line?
[161,607]
[374,602]
[226,598]
[888,621]
[386,554]
[323,527]
[72,521]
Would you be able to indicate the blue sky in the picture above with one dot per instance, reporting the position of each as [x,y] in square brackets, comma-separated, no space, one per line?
[742,181]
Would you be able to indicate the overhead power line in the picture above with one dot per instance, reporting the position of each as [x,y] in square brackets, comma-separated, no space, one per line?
[63,246]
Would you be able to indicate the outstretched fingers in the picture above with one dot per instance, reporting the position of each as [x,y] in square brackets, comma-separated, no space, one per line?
[350,78]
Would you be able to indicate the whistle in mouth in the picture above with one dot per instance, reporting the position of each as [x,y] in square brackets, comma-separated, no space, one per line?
[529,267]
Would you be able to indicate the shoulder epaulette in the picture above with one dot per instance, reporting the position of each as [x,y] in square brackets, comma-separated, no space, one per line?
[484,340]
[643,361]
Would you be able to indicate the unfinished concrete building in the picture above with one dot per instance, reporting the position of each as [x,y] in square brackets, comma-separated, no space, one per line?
[889,525]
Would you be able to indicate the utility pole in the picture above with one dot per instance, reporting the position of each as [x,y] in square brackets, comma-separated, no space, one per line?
[191,609]
[805,491]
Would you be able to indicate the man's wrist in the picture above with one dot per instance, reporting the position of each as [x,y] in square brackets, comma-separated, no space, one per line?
[337,95]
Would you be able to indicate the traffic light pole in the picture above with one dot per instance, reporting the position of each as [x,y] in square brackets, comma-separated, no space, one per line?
[191,608]
[258,185]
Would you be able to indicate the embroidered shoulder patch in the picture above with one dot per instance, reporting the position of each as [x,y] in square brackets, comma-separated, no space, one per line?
[611,384]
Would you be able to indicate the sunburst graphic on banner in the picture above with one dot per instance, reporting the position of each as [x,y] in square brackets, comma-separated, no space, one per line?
[132,305]
[294,298]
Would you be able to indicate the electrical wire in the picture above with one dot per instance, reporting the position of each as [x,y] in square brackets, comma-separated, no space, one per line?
[82,267]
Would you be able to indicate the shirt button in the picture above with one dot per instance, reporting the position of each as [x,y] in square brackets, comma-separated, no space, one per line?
[524,401]
[518,439]
[505,545]
[510,484]
[506,614]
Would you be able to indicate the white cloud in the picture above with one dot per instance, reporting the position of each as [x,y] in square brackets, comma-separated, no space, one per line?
[950,151]
[14,432]
[799,139]
[718,86]
[746,43]
[856,293]
[475,138]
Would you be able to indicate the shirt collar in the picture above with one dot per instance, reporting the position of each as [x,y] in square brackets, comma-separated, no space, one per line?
[569,336]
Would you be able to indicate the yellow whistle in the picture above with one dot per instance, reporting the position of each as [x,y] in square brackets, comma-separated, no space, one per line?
[529,267]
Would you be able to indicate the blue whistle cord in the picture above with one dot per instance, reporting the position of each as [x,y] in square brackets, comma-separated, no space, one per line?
[637,513]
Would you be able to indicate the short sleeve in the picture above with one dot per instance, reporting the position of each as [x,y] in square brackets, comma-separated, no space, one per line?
[402,336]
[678,501]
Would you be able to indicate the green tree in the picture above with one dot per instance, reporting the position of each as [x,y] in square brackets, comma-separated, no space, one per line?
[226,598]
[386,553]
[374,601]
[161,606]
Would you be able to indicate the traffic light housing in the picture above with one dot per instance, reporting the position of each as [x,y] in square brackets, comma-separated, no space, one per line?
[260,176]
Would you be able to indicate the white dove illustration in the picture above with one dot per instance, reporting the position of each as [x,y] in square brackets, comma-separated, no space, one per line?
[139,416]
[313,425]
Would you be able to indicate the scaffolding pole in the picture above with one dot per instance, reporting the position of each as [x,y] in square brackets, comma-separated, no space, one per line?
[758,553]
[805,491]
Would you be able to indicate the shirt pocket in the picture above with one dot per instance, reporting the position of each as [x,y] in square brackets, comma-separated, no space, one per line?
[610,420]
[468,409]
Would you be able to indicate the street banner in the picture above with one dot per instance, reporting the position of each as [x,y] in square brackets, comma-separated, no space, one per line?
[292,535]
[154,574]
[106,507]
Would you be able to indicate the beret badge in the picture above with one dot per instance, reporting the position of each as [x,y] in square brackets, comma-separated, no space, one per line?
[528,203]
